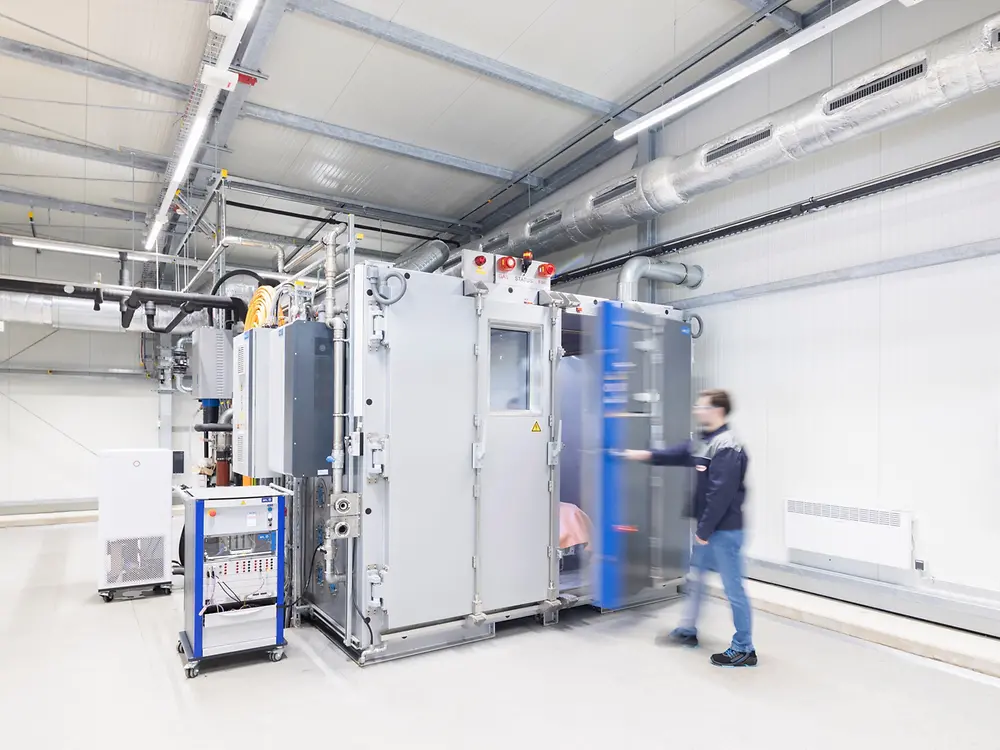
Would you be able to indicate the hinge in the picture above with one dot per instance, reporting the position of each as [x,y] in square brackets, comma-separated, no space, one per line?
[475,420]
[549,551]
[475,491]
[552,485]
[475,562]
[552,355]
[475,349]
[478,449]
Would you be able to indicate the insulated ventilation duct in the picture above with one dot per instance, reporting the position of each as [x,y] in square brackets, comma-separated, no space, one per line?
[953,68]
[427,258]
[80,315]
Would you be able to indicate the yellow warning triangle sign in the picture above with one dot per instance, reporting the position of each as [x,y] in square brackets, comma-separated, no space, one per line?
[536,428]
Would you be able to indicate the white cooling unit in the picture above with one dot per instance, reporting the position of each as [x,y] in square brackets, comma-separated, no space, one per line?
[134,520]
[881,537]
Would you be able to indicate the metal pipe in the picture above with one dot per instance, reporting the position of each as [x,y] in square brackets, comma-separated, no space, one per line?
[281,259]
[853,273]
[207,265]
[639,268]
[227,416]
[330,262]
[196,219]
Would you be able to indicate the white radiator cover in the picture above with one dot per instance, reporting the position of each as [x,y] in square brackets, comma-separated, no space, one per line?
[881,537]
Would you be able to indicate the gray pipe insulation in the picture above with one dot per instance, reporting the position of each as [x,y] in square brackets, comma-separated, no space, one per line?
[80,315]
[923,81]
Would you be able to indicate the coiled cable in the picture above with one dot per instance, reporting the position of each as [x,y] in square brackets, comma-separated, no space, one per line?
[259,308]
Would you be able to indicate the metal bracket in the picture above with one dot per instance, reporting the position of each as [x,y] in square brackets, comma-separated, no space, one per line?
[375,578]
[475,289]
[353,444]
[377,339]
[557,299]
[378,452]
[478,451]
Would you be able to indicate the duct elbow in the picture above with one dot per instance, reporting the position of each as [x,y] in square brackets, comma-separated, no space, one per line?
[641,267]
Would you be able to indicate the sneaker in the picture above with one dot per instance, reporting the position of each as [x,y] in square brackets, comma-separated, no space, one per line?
[678,638]
[733,658]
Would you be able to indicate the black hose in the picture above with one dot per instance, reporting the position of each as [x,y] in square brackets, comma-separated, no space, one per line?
[235,272]
[213,427]
[226,277]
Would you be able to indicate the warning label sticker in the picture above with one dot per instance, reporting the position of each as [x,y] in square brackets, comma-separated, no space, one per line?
[536,428]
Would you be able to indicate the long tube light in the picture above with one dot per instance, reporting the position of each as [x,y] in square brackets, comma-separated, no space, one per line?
[752,66]
[96,252]
[210,95]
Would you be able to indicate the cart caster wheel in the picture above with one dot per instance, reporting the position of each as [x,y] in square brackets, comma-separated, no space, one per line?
[276,655]
[180,647]
[191,672]
[108,596]
[165,590]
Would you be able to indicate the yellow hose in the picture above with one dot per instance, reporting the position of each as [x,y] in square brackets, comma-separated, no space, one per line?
[259,307]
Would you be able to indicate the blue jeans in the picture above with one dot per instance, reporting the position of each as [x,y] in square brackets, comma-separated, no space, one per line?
[723,553]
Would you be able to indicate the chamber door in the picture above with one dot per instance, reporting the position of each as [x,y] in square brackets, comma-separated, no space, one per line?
[516,489]
[644,366]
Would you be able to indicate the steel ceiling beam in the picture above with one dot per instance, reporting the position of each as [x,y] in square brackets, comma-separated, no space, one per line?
[786,18]
[144,162]
[93,69]
[34,200]
[349,205]
[155,85]
[372,25]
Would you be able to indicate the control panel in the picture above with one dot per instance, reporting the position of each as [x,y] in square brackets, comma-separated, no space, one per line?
[517,278]
[241,554]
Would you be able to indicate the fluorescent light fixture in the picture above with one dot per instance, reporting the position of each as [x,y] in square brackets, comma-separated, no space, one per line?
[187,153]
[246,9]
[89,250]
[153,234]
[752,66]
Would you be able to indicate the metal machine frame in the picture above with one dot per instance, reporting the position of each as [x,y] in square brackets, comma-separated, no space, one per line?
[257,625]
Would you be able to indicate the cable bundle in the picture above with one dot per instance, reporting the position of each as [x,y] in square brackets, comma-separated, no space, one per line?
[259,308]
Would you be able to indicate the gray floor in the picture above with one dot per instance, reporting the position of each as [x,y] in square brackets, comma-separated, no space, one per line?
[79,673]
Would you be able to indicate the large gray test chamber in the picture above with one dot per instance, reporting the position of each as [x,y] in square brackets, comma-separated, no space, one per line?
[473,434]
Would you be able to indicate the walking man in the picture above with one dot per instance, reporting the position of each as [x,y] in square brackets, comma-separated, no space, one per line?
[721,466]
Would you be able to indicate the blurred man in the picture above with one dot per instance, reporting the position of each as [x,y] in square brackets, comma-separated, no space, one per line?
[721,465]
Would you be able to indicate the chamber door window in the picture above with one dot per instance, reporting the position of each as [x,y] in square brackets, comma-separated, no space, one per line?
[510,370]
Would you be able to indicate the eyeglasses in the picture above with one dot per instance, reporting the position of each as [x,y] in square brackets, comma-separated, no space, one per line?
[704,407]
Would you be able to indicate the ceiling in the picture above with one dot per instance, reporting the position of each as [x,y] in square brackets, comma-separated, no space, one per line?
[501,89]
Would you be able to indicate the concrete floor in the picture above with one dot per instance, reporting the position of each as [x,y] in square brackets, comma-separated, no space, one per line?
[80,673]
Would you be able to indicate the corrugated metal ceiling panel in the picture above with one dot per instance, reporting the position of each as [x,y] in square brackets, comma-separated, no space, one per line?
[326,165]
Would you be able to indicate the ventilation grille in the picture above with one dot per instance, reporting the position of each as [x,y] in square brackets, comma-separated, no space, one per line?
[846,513]
[731,147]
[615,191]
[135,560]
[545,221]
[241,360]
[495,243]
[240,449]
[878,86]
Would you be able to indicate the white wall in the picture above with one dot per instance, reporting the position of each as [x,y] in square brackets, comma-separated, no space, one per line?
[51,426]
[882,392]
